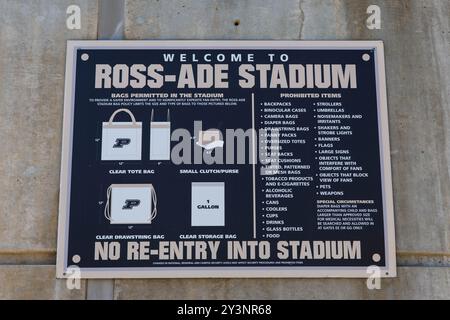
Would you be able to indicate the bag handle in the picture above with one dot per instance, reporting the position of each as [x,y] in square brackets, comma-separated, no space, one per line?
[106,212]
[155,200]
[111,119]
[168,116]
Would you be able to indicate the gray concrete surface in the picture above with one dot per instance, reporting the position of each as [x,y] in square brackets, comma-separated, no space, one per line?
[35,282]
[433,283]
[205,19]
[416,34]
[33,38]
[100,289]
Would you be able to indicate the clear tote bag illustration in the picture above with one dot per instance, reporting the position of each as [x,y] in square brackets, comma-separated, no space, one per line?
[130,204]
[121,140]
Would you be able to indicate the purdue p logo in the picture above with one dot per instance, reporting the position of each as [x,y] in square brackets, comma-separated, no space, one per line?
[120,142]
[130,203]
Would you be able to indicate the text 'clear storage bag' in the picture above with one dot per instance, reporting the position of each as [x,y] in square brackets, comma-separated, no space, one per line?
[121,140]
[130,204]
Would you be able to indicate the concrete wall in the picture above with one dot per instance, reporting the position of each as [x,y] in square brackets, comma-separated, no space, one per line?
[416,34]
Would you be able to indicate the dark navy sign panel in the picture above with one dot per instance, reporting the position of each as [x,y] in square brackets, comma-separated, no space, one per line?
[328,206]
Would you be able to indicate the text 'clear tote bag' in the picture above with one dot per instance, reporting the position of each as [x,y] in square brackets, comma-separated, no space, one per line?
[130,204]
[121,140]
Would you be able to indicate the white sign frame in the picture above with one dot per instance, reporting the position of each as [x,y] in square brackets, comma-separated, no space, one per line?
[225,272]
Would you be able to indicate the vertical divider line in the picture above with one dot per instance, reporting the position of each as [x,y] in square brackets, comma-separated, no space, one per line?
[254,144]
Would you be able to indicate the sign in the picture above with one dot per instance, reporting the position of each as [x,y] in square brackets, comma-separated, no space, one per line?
[225,159]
